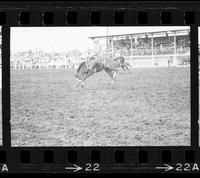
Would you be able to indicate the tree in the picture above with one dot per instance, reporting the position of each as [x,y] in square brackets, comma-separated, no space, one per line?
[73,53]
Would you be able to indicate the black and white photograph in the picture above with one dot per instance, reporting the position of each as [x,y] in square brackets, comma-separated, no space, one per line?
[100,86]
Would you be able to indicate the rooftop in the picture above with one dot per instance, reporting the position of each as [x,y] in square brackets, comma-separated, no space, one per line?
[148,34]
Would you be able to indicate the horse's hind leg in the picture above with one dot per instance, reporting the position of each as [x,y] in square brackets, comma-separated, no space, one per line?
[112,75]
[112,82]
[123,67]
[126,67]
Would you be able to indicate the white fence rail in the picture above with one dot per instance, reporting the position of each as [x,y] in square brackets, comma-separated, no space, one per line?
[134,61]
[158,60]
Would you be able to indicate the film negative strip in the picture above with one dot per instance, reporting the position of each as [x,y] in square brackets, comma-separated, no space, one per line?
[99,87]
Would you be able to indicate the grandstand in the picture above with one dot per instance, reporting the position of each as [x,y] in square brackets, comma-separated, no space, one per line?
[161,48]
[149,49]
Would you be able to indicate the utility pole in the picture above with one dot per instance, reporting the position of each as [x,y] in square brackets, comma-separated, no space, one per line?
[175,55]
[152,55]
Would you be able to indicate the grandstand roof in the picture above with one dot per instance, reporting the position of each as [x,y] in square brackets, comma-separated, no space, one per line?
[162,33]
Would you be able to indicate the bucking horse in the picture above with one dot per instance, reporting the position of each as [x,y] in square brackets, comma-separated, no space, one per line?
[111,67]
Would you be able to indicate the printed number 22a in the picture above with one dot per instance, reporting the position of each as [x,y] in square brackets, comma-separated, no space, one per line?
[187,167]
[92,167]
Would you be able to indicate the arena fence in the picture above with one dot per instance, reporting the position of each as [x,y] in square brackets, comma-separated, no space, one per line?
[134,61]
[159,60]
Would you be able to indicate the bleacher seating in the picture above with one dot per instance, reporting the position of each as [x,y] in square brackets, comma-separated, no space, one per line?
[143,47]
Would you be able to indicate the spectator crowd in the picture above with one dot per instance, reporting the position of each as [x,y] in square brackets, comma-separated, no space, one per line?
[71,59]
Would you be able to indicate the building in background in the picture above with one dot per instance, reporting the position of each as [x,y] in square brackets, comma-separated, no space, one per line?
[161,48]
[149,49]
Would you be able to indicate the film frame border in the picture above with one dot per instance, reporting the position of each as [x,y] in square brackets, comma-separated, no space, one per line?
[112,159]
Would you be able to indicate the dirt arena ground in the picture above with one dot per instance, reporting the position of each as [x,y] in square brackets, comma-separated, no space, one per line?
[145,107]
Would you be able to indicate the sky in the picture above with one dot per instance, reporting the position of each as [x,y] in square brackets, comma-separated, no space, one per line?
[60,39]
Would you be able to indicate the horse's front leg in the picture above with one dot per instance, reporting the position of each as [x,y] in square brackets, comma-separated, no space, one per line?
[114,75]
[79,82]
[123,67]
[82,81]
[82,84]
[91,72]
[113,78]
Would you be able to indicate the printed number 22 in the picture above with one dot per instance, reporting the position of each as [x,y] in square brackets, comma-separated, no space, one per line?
[92,167]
